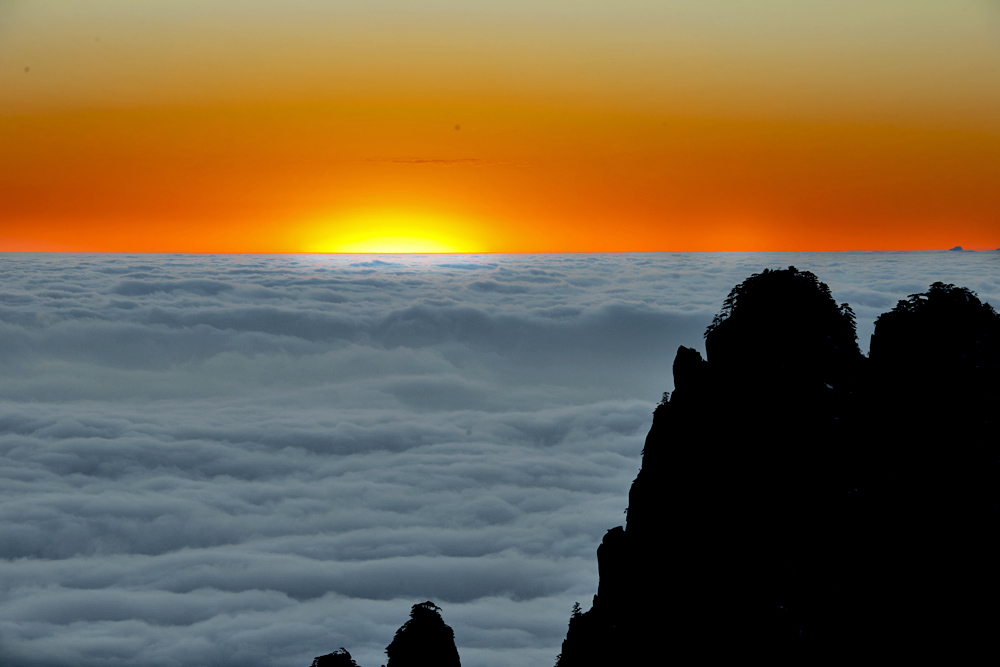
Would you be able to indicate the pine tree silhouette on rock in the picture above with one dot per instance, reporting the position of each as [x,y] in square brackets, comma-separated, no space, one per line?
[799,503]
[423,640]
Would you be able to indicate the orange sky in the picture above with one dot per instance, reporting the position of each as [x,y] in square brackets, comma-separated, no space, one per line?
[539,126]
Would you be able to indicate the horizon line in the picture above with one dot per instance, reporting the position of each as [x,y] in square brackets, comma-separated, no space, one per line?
[472,252]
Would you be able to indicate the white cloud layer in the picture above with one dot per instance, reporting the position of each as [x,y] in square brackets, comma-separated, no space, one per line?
[254,460]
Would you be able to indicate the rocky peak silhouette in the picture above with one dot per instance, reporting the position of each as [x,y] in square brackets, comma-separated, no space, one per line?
[423,640]
[786,320]
[944,331]
[339,658]
[931,480]
[789,507]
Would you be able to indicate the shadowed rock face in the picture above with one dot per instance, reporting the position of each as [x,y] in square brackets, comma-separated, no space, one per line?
[423,640]
[932,479]
[799,503]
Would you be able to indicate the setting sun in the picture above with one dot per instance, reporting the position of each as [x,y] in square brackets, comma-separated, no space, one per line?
[392,244]
[389,232]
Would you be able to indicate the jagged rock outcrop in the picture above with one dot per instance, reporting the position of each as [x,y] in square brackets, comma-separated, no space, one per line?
[423,640]
[932,477]
[798,503]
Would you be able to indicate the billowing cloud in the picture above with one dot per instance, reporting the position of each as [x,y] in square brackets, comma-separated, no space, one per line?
[253,460]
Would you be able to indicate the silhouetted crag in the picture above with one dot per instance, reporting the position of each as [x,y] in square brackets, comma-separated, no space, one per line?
[799,503]
[339,658]
[932,475]
[423,640]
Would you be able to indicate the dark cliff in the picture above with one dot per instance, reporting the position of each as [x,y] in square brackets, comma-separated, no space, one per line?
[800,503]
[932,476]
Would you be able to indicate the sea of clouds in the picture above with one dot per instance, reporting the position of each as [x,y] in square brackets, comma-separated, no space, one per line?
[251,460]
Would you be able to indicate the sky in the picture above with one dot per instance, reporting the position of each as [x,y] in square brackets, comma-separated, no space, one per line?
[252,460]
[472,126]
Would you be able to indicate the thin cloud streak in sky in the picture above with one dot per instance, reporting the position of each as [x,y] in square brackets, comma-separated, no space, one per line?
[253,460]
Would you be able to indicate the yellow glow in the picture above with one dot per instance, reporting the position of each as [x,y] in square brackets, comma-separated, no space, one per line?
[390,232]
[395,244]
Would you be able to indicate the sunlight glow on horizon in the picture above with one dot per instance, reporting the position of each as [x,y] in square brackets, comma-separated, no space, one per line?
[389,232]
[394,245]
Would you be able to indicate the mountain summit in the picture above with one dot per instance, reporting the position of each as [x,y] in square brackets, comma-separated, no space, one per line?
[801,503]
